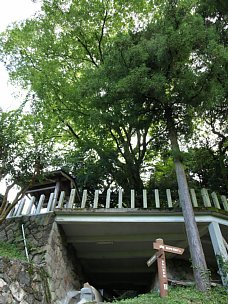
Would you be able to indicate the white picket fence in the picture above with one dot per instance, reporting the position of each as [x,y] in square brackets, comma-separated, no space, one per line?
[117,200]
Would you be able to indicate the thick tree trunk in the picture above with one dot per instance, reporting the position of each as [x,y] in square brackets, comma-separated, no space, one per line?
[200,270]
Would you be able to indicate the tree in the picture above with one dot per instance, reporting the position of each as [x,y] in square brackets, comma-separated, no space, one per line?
[216,122]
[25,152]
[138,85]
[168,71]
[77,32]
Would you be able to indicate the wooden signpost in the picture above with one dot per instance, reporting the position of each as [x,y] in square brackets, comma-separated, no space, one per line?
[160,257]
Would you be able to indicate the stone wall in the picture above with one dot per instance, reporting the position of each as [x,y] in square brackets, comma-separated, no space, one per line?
[21,282]
[47,247]
[177,270]
[37,231]
[62,264]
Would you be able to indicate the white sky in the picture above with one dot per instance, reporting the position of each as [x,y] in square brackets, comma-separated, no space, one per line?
[11,11]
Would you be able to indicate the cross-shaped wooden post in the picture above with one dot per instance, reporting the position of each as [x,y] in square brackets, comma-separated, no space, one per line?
[160,257]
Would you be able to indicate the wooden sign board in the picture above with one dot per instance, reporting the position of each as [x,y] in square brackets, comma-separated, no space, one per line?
[152,260]
[167,248]
[160,257]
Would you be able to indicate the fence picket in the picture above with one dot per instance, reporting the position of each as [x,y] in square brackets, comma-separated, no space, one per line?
[72,197]
[31,203]
[215,200]
[108,198]
[120,198]
[11,213]
[96,197]
[16,209]
[206,198]
[194,199]
[169,198]
[157,200]
[50,201]
[61,199]
[224,202]
[20,207]
[40,203]
[132,198]
[84,199]
[144,198]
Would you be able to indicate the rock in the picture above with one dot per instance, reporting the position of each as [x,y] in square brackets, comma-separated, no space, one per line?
[2,284]
[17,292]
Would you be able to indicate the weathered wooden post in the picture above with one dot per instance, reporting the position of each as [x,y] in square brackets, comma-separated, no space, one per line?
[160,257]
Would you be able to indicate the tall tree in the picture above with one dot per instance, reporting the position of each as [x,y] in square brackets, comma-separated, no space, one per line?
[52,53]
[170,72]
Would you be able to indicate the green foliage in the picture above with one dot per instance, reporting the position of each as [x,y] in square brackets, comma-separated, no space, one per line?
[10,251]
[203,165]
[26,145]
[181,296]
[104,74]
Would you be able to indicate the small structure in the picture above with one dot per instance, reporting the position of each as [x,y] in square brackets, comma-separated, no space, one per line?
[53,182]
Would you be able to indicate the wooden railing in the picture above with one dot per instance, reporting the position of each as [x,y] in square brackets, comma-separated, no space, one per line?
[118,199]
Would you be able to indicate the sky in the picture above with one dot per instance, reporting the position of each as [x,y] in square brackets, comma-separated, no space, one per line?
[13,11]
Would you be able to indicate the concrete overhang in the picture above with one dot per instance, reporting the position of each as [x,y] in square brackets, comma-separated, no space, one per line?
[113,245]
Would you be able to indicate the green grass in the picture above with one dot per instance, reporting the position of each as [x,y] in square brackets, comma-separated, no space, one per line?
[10,251]
[181,295]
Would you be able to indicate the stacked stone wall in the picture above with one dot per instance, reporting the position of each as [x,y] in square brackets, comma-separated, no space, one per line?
[21,282]
[47,248]
[62,264]
[37,231]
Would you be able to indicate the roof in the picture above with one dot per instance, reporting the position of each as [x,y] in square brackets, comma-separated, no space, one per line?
[47,182]
[52,177]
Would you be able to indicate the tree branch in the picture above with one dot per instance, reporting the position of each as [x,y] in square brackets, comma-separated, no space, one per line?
[102,35]
[87,51]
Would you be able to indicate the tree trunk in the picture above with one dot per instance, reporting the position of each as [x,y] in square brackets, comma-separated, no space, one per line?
[200,270]
[223,169]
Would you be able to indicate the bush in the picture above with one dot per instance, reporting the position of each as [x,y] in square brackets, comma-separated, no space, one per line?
[10,251]
[181,295]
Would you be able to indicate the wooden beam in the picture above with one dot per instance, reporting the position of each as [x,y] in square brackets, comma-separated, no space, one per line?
[125,237]
[109,254]
[39,189]
[124,217]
